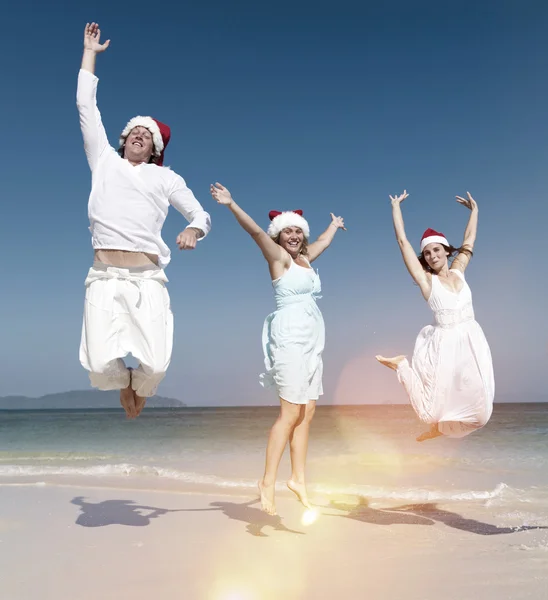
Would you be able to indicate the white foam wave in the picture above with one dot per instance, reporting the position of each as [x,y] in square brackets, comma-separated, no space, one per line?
[541,546]
[105,470]
[371,492]
[412,495]
[6,457]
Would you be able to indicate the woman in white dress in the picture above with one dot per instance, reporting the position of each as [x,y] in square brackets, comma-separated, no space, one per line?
[293,336]
[450,382]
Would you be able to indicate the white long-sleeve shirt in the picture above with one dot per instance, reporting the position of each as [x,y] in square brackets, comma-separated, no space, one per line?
[129,204]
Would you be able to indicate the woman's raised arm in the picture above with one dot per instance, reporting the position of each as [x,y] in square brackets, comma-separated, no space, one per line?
[273,253]
[463,258]
[409,257]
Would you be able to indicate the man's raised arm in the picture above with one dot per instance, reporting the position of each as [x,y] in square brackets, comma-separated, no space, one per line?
[93,132]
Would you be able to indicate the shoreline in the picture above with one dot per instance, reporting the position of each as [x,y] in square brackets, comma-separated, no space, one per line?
[320,496]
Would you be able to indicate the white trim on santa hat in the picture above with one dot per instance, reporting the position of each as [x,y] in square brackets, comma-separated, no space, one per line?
[288,219]
[433,239]
[151,125]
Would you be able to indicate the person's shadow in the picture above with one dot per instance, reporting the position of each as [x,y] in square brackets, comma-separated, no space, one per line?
[116,512]
[456,521]
[255,518]
[422,514]
[364,513]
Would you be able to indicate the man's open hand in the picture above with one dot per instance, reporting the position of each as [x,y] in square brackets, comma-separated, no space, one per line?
[92,39]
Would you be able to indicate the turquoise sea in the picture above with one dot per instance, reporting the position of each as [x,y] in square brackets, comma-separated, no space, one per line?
[367,451]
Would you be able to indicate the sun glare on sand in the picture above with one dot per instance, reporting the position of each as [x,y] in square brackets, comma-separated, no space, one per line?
[239,568]
[309,517]
[237,595]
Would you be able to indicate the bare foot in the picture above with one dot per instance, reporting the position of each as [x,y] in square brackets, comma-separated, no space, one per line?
[391,363]
[299,489]
[128,402]
[434,432]
[267,498]
[140,402]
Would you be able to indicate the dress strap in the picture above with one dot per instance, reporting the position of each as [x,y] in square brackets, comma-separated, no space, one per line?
[459,274]
[293,261]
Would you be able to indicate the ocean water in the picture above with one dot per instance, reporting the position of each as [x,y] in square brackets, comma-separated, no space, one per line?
[366,451]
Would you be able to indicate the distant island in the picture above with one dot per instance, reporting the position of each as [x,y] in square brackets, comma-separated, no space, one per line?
[83,399]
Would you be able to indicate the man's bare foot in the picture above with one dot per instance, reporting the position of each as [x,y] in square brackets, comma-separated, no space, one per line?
[434,432]
[140,402]
[391,363]
[128,402]
[267,498]
[299,489]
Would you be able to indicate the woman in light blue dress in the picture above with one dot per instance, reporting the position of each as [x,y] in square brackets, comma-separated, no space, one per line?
[293,336]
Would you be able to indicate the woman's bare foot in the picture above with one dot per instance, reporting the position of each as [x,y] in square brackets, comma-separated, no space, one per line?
[140,402]
[434,432]
[128,402]
[299,489]
[391,363]
[267,498]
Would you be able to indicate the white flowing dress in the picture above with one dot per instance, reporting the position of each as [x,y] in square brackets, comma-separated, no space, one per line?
[294,337]
[451,380]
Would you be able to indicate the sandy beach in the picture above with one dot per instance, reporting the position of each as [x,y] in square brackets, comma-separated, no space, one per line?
[63,541]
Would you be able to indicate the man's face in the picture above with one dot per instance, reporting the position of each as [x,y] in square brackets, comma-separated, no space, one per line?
[139,145]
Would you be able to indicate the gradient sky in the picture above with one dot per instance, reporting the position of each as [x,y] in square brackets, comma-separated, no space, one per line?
[324,106]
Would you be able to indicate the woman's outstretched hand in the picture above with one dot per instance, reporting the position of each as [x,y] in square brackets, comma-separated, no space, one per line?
[92,39]
[338,222]
[221,194]
[399,199]
[469,202]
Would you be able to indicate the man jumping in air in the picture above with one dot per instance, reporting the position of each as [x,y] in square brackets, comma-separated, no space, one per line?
[127,307]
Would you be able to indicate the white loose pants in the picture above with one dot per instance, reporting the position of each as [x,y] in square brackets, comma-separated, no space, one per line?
[127,310]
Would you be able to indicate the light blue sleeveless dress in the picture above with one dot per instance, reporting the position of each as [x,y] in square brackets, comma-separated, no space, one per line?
[294,337]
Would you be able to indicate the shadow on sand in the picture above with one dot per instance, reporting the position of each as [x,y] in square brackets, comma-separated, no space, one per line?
[422,514]
[255,518]
[116,512]
[364,513]
[456,521]
[126,512]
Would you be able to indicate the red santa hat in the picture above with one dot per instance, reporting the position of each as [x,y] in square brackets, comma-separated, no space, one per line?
[290,218]
[431,236]
[161,135]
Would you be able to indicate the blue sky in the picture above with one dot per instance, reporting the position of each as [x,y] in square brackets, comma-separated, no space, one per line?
[321,106]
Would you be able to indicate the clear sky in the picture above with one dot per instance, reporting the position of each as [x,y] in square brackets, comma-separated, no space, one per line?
[324,106]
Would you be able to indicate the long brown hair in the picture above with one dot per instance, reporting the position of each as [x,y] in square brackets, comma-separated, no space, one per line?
[453,253]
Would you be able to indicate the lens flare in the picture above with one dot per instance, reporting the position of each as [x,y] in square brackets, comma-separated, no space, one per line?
[309,517]
[237,595]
